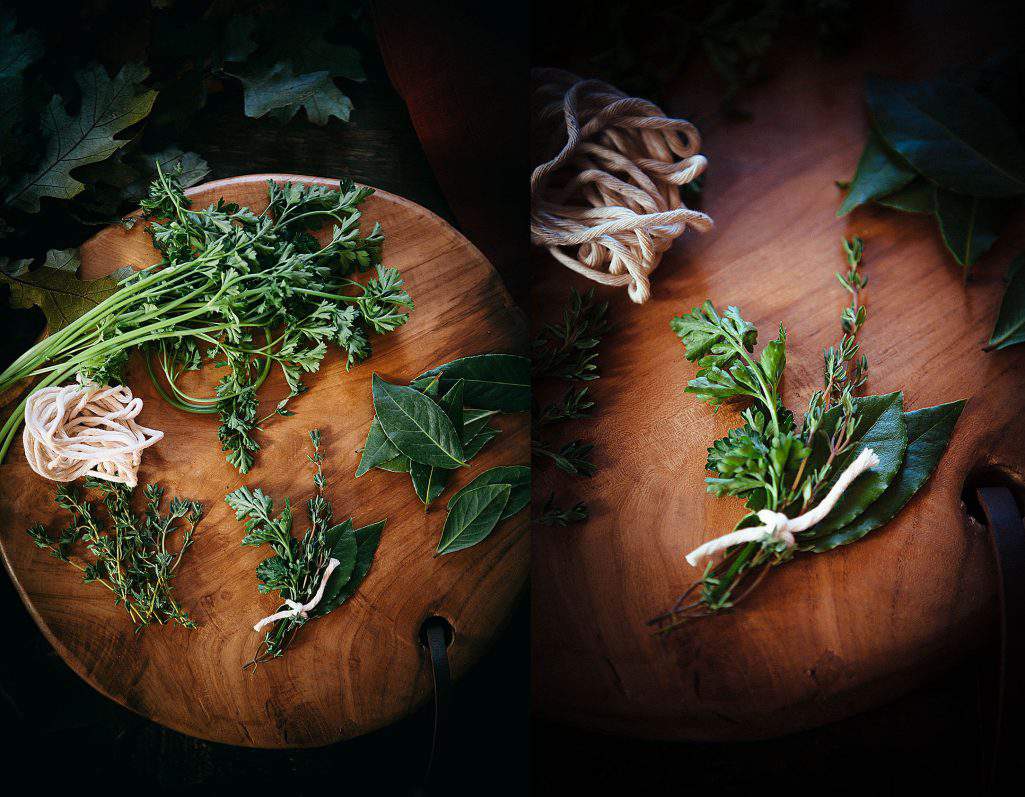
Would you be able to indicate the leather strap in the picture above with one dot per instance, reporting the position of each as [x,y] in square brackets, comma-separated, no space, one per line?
[1006,766]
[435,640]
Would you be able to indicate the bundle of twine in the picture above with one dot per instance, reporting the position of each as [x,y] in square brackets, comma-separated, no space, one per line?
[608,204]
[84,429]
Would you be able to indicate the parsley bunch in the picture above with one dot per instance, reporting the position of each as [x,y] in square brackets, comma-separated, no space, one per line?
[244,291]
[130,552]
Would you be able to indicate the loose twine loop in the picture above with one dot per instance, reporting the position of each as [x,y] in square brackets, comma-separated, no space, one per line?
[777,526]
[83,429]
[622,164]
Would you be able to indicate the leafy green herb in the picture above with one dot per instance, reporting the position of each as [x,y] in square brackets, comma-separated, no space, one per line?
[472,516]
[416,426]
[928,432]
[516,476]
[948,147]
[950,134]
[228,275]
[568,351]
[491,381]
[772,464]
[970,224]
[879,174]
[131,552]
[1010,326]
[297,568]
[554,515]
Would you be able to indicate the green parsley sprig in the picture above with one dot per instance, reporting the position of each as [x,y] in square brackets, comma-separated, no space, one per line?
[244,291]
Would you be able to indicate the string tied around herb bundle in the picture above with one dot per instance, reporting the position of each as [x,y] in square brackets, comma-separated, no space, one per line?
[296,609]
[777,527]
[623,163]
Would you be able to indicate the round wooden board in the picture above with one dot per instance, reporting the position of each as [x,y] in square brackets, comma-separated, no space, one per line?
[360,667]
[825,635]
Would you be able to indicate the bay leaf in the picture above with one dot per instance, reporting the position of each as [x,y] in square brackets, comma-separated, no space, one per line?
[341,540]
[1010,326]
[367,540]
[970,225]
[516,476]
[883,430]
[473,517]
[428,481]
[493,381]
[399,464]
[929,431]
[879,173]
[949,134]
[915,197]
[377,450]
[478,441]
[416,426]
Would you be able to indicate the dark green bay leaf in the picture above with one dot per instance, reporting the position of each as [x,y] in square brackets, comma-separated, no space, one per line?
[399,464]
[879,173]
[516,476]
[929,431]
[367,540]
[377,450]
[416,426]
[478,441]
[970,225]
[1010,326]
[915,197]
[429,482]
[473,517]
[882,429]
[949,134]
[342,542]
[493,381]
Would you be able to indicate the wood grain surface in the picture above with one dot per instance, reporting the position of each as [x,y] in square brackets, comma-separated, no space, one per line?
[825,635]
[360,667]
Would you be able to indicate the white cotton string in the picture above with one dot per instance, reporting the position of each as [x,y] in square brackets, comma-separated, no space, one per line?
[296,609]
[608,205]
[83,429]
[778,526]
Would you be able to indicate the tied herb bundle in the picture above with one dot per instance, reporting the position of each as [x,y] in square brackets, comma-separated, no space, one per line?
[244,291]
[439,423]
[951,148]
[568,351]
[131,554]
[772,464]
[313,575]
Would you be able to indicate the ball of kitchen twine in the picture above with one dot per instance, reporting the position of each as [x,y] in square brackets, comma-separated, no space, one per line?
[608,205]
[84,429]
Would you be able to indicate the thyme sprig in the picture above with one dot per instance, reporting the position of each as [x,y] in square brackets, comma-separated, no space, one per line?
[229,276]
[568,350]
[768,462]
[131,553]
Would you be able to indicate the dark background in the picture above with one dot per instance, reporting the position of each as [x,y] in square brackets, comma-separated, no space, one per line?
[62,733]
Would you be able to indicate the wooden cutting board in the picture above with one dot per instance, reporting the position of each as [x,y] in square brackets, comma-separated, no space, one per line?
[360,667]
[825,635]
